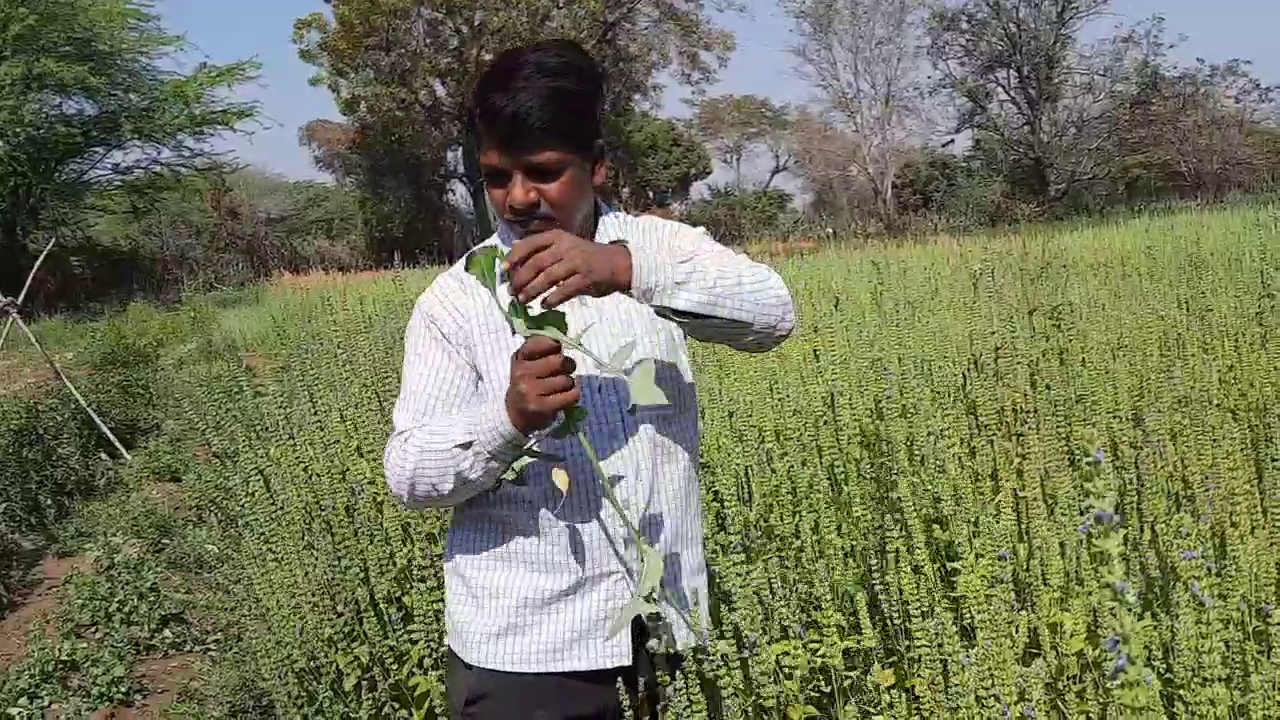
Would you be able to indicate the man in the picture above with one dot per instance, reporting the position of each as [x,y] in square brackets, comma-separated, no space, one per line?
[531,580]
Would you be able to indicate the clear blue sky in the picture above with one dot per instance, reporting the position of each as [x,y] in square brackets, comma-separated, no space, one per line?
[226,30]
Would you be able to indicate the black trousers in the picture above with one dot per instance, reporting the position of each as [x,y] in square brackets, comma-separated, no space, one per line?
[480,694]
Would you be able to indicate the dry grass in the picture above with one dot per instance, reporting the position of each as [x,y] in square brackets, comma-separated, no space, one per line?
[324,277]
[22,377]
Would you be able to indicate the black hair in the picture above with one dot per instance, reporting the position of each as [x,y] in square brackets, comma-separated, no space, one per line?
[547,95]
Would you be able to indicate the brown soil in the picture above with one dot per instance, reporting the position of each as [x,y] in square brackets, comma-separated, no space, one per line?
[21,378]
[167,495]
[256,362]
[35,607]
[163,678]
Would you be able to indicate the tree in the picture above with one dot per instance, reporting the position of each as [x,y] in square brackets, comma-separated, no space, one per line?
[87,100]
[737,215]
[739,127]
[1199,131]
[1038,103]
[658,162]
[401,72]
[866,59]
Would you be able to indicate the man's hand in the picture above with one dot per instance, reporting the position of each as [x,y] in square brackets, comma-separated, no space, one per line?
[570,264]
[541,384]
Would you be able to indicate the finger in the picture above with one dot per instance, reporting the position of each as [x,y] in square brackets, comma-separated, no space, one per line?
[549,387]
[549,278]
[569,289]
[549,366]
[561,400]
[526,272]
[538,346]
[525,248]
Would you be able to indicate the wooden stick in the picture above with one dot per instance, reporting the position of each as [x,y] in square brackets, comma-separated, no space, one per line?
[22,296]
[13,316]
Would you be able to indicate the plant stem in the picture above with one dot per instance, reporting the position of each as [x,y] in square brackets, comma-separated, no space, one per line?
[631,528]
[608,491]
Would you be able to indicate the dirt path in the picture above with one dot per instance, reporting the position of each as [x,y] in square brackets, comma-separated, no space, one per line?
[163,678]
[35,606]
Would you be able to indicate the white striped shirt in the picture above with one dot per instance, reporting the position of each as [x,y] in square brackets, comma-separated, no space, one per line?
[526,590]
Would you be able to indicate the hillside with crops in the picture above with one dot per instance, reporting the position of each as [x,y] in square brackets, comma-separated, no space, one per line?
[1035,474]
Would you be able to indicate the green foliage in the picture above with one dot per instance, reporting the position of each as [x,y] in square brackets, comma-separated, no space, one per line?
[134,603]
[88,98]
[401,73]
[1023,475]
[915,551]
[657,160]
[736,216]
[51,455]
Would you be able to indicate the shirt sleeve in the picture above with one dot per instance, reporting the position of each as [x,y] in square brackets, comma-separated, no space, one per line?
[713,293]
[448,442]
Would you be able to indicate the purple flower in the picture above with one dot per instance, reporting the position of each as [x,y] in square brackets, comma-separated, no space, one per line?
[1003,554]
[1190,554]
[1111,643]
[1121,664]
[1106,517]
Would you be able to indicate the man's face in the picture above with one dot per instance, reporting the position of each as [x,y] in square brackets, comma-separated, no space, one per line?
[543,190]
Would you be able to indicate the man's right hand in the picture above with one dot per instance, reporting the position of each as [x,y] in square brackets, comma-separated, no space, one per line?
[541,384]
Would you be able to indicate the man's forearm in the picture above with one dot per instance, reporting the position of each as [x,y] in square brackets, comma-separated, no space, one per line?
[713,293]
[445,461]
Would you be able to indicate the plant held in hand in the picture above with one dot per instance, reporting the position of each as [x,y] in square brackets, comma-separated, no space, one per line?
[642,389]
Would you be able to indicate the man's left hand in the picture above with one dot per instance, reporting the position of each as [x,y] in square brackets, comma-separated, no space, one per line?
[571,265]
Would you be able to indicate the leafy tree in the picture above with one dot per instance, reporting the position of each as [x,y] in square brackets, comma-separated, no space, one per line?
[401,72]
[736,215]
[738,128]
[657,161]
[88,99]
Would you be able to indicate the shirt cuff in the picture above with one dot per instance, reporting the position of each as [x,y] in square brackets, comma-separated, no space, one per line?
[651,272]
[496,436]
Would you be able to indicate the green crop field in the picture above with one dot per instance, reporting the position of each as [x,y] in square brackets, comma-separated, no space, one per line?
[1034,476]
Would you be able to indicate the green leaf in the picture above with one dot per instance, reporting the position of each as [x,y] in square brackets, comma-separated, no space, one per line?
[621,355]
[551,323]
[520,463]
[573,417]
[642,385]
[637,606]
[651,569]
[482,264]
[514,470]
